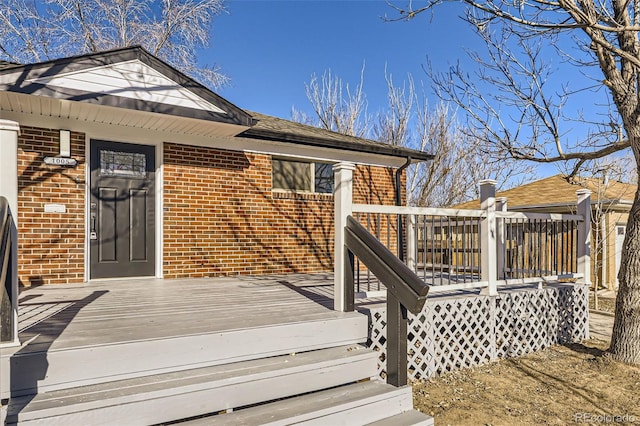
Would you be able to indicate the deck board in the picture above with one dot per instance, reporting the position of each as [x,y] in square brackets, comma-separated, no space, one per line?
[115,311]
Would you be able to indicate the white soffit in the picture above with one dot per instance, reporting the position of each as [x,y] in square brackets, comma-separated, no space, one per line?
[40,111]
[131,79]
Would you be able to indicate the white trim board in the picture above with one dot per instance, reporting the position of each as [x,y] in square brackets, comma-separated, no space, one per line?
[152,137]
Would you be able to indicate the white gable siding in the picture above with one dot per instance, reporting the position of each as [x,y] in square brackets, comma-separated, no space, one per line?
[131,79]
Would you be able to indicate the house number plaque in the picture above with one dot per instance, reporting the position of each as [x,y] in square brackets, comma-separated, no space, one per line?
[60,161]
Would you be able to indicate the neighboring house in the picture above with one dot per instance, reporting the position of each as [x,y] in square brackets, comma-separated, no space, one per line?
[126,167]
[610,200]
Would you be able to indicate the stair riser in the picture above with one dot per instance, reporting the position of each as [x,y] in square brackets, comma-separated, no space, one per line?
[408,418]
[182,403]
[65,369]
[425,422]
[356,415]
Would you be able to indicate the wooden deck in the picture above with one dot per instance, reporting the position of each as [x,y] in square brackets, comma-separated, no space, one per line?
[148,351]
[102,312]
[125,328]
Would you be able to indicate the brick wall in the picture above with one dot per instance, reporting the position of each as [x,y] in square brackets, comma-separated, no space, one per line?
[222,218]
[50,245]
[375,185]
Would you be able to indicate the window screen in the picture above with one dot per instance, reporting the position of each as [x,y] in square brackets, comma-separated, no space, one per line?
[291,175]
[302,176]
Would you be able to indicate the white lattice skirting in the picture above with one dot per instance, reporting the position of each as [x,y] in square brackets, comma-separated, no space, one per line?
[463,331]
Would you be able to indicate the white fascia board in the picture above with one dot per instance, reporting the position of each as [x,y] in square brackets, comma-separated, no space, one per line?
[150,136]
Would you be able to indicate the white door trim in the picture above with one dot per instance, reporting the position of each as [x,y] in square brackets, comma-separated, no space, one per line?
[159,202]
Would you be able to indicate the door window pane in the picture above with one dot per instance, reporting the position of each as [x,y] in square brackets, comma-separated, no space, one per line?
[129,164]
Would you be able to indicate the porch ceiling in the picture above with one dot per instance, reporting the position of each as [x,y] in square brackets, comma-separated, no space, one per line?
[94,113]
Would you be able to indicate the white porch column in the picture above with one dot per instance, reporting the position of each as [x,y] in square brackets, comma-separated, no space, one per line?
[501,206]
[412,261]
[488,234]
[9,131]
[343,202]
[584,236]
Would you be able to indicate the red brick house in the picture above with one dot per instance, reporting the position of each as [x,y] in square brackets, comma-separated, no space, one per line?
[119,165]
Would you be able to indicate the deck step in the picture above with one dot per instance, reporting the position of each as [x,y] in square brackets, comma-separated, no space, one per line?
[177,395]
[408,418]
[355,404]
[49,369]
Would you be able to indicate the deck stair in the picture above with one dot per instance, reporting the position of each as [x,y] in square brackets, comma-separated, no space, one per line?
[309,368]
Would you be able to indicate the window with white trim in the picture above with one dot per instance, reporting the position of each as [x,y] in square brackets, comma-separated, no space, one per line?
[302,176]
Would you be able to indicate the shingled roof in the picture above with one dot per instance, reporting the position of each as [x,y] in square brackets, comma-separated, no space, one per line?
[273,128]
[556,191]
[72,79]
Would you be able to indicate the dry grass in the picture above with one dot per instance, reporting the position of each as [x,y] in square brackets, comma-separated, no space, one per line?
[555,386]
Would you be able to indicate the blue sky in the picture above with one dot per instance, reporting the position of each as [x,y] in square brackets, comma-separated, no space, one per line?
[271,48]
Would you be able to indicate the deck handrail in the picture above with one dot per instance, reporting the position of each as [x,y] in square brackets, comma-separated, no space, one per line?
[464,257]
[399,280]
[424,211]
[431,211]
[6,293]
[405,291]
[556,217]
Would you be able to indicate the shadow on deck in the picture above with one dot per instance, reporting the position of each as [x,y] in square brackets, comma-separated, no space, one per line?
[116,311]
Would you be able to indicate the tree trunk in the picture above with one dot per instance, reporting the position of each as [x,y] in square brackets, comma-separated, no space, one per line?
[625,339]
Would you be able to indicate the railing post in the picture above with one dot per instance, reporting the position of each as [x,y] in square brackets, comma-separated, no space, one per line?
[411,242]
[9,131]
[501,206]
[584,236]
[396,342]
[488,234]
[343,202]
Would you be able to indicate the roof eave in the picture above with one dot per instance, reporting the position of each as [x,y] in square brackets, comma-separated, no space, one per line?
[388,150]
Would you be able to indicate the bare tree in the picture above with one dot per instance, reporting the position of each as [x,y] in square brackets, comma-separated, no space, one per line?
[34,31]
[409,121]
[393,124]
[335,105]
[452,176]
[512,102]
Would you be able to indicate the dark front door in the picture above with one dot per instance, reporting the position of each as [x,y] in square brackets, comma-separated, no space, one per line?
[122,210]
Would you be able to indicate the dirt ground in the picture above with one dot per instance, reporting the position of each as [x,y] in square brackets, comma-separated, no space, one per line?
[605,304]
[574,384]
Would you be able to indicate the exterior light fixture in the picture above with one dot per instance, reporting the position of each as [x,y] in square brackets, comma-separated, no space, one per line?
[65,143]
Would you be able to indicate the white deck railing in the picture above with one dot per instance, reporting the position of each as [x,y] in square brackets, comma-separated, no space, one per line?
[454,249]
[442,246]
